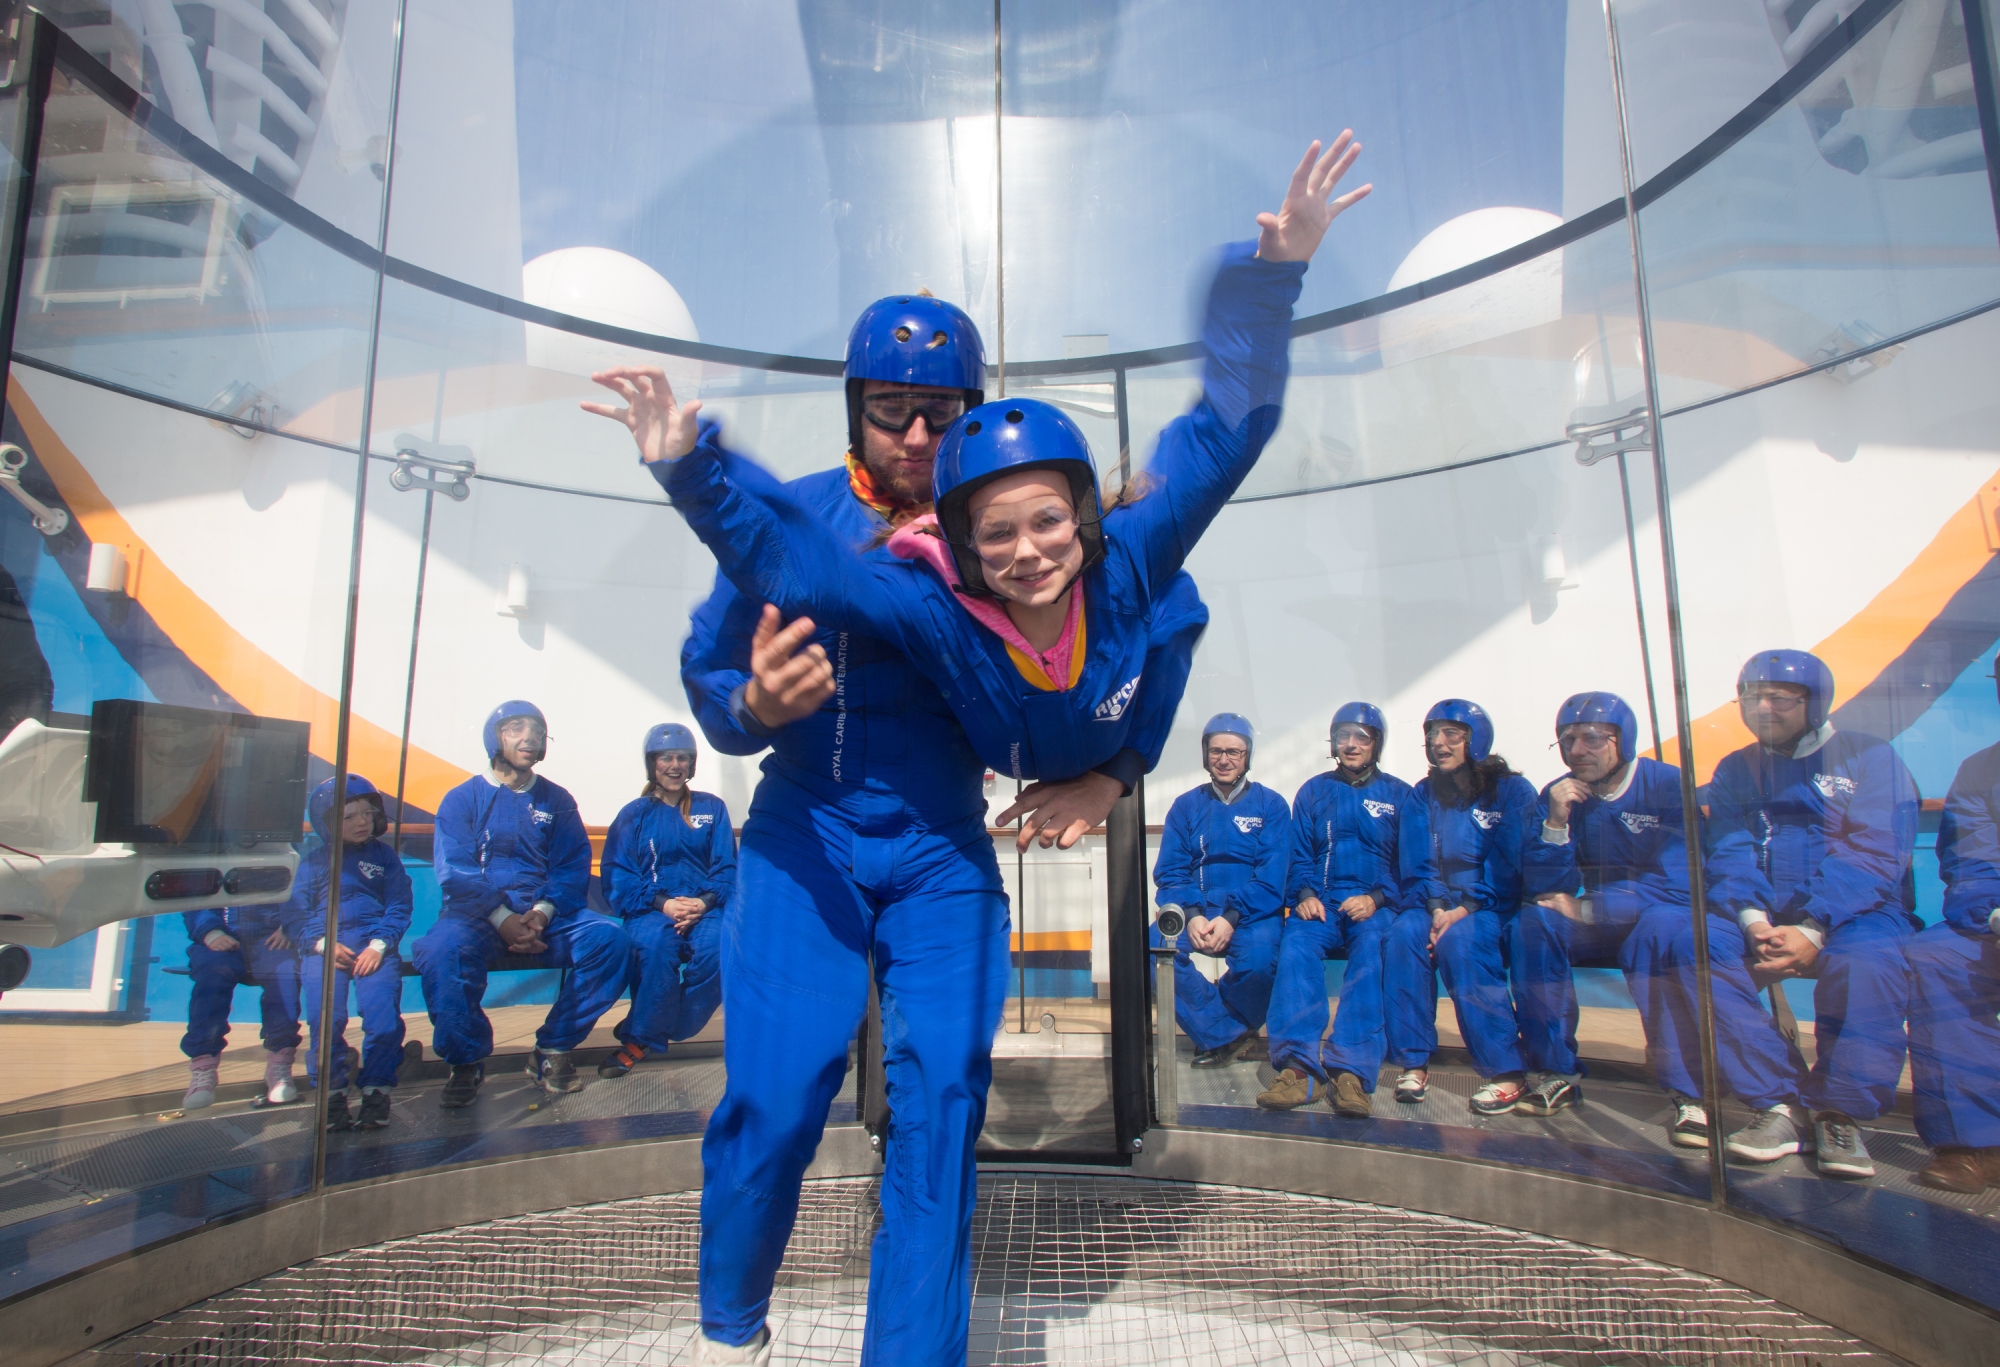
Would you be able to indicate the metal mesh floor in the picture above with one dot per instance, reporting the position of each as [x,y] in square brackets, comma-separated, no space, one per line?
[1067,1270]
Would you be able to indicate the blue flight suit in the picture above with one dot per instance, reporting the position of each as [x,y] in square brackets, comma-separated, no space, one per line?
[1623,857]
[1348,839]
[499,851]
[1472,859]
[217,973]
[651,853]
[1822,838]
[1955,971]
[375,903]
[1226,860]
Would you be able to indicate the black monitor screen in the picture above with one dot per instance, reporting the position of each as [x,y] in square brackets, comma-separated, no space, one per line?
[165,775]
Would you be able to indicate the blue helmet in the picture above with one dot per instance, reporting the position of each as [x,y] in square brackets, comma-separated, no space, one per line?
[1608,709]
[319,807]
[1798,667]
[1363,714]
[507,711]
[1472,717]
[1001,438]
[1229,724]
[668,735]
[913,339]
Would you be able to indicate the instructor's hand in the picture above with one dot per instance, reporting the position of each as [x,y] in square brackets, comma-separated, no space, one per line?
[788,678]
[662,428]
[1062,813]
[1294,232]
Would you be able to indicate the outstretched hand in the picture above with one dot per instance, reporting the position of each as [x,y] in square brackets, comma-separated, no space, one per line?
[790,675]
[662,428]
[1294,232]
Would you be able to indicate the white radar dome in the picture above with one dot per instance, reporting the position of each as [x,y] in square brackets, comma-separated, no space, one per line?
[1527,296]
[606,287]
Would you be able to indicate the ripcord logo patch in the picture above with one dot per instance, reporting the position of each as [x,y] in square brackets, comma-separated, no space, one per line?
[1247,824]
[1113,707]
[699,820]
[1636,822]
[1486,820]
[1829,784]
[1378,810]
[369,871]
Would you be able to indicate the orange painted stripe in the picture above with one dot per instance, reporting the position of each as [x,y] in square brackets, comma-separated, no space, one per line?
[1870,641]
[256,680]
[1044,940]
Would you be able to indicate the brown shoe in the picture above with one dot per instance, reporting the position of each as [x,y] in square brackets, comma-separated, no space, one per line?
[1966,1170]
[1289,1090]
[1349,1099]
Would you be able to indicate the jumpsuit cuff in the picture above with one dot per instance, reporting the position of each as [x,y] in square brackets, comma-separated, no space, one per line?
[709,901]
[546,907]
[1437,904]
[740,713]
[380,946]
[1554,835]
[1127,766]
[319,945]
[498,916]
[210,936]
[1381,896]
[1813,931]
[1752,916]
[1993,922]
[1229,914]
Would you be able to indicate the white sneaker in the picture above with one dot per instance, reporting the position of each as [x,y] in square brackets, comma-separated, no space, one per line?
[1413,1085]
[279,1088]
[709,1353]
[202,1082]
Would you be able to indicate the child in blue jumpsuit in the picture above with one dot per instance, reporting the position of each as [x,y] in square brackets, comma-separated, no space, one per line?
[1357,837]
[669,869]
[227,948]
[513,862]
[1807,859]
[1955,990]
[1605,850]
[1475,813]
[375,902]
[1223,852]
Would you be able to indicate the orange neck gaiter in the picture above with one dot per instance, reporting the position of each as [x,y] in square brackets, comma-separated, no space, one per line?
[893,510]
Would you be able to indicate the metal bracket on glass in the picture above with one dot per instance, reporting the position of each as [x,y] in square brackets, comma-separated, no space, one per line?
[421,464]
[1609,431]
[48,521]
[1170,922]
[1848,339]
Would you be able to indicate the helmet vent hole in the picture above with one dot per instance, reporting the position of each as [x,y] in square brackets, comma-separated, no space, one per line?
[938,339]
[902,334]
[1015,415]
[972,428]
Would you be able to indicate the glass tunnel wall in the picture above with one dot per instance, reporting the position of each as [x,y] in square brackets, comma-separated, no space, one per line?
[1496,374]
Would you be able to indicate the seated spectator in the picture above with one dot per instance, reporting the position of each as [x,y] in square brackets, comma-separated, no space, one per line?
[1807,857]
[375,901]
[1475,812]
[669,868]
[240,946]
[1955,990]
[513,862]
[1607,848]
[1348,863]
[1222,859]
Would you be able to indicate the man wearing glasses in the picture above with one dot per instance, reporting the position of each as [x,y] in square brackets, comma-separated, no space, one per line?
[1608,849]
[513,860]
[1223,856]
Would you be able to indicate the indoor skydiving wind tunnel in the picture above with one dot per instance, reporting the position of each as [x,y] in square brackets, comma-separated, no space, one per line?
[1655,366]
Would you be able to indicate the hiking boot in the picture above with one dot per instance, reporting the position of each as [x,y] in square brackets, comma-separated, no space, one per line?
[709,1353]
[202,1082]
[1838,1148]
[279,1088]
[463,1085]
[624,1061]
[1291,1089]
[1771,1135]
[338,1119]
[1413,1085]
[1500,1096]
[1961,1169]
[1689,1129]
[1553,1092]
[374,1109]
[555,1070]
[1224,1054]
[1349,1099]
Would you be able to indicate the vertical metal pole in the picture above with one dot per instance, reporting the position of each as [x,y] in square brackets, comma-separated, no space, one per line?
[410,676]
[1639,604]
[999,223]
[1979,51]
[1166,1086]
[1711,1087]
[1125,887]
[34,68]
[322,1046]
[1124,427]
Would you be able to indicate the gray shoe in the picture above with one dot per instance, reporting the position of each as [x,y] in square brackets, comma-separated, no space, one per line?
[1839,1150]
[1771,1135]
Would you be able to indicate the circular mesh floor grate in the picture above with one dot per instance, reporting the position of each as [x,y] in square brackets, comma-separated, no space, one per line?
[1067,1270]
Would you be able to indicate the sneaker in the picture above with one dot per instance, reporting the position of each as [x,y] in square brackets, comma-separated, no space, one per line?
[1291,1089]
[1348,1099]
[1961,1169]
[709,1353]
[1690,1126]
[1769,1136]
[622,1062]
[338,1120]
[279,1088]
[1500,1096]
[202,1082]
[1225,1053]
[1838,1148]
[555,1070]
[463,1085]
[374,1110]
[1413,1085]
[1554,1092]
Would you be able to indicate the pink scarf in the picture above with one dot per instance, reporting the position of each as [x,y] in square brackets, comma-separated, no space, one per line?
[911,542]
